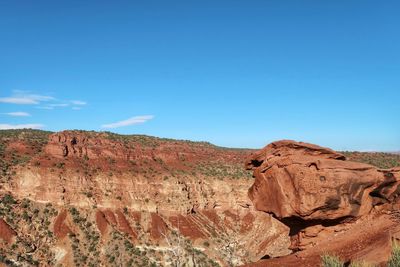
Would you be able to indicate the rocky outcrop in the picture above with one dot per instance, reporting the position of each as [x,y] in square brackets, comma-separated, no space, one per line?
[329,203]
[305,181]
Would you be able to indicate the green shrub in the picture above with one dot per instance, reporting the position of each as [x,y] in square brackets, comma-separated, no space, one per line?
[331,261]
[25,216]
[8,199]
[60,165]
[394,260]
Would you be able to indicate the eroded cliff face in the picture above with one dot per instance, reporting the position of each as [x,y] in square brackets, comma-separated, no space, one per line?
[329,203]
[100,199]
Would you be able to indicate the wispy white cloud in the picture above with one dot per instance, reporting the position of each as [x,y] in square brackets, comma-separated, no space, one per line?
[42,101]
[54,105]
[130,121]
[21,126]
[18,100]
[78,102]
[18,114]
[45,107]
[24,98]
[58,105]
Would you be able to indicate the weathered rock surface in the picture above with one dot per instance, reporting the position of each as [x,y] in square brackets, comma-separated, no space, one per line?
[295,179]
[330,204]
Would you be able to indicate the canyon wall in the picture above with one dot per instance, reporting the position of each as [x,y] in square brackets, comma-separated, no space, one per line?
[175,201]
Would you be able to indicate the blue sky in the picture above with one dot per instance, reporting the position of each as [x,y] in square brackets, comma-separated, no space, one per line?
[235,73]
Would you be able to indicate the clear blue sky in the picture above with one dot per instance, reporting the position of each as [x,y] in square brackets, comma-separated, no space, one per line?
[235,73]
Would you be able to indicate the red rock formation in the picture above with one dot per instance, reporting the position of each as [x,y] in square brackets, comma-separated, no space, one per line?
[100,148]
[330,204]
[295,179]
[63,144]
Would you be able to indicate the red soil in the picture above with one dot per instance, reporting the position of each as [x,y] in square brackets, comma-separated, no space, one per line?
[101,222]
[6,233]
[61,229]
[158,226]
[186,227]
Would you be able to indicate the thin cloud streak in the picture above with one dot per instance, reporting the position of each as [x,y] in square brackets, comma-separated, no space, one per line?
[18,114]
[22,98]
[21,126]
[18,100]
[130,121]
[45,107]
[19,97]
[59,105]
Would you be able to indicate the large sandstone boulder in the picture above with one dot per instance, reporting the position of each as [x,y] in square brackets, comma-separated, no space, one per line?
[308,182]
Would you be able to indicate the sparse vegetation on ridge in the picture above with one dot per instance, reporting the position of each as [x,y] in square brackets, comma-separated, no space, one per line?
[193,158]
[378,159]
[328,260]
